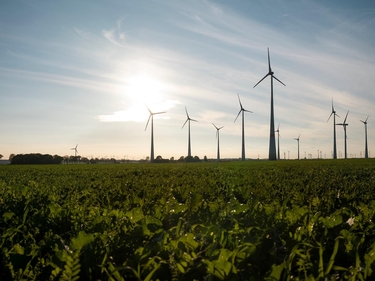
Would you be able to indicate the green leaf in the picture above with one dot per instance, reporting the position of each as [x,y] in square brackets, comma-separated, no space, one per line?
[81,240]
[8,215]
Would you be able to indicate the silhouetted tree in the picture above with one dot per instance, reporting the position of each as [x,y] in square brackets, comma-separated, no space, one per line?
[36,158]
[205,158]
[1,156]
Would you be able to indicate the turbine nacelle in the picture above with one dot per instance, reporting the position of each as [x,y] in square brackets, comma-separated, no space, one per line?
[152,116]
[188,118]
[242,109]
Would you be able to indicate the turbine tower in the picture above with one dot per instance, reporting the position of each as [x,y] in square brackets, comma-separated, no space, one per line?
[366,149]
[278,141]
[75,150]
[334,130]
[344,124]
[152,131]
[272,147]
[188,119]
[243,126]
[218,141]
[297,139]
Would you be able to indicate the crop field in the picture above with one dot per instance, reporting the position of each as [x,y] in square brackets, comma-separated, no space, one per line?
[254,220]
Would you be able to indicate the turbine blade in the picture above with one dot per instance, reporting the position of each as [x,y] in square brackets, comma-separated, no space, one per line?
[185,123]
[346,116]
[329,117]
[278,80]
[187,114]
[215,126]
[269,61]
[159,113]
[340,124]
[261,80]
[299,136]
[148,109]
[237,116]
[193,120]
[247,110]
[239,100]
[364,122]
[148,121]
[278,126]
[367,118]
[221,127]
[337,115]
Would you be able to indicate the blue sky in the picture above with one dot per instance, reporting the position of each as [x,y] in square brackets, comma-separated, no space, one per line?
[73,72]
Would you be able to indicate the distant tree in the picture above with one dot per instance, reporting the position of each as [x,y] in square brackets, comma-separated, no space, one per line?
[148,158]
[196,159]
[189,158]
[11,157]
[1,156]
[182,158]
[205,158]
[36,158]
[171,159]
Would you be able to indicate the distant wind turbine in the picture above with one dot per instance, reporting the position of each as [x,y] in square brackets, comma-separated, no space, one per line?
[188,119]
[218,141]
[366,149]
[272,146]
[278,141]
[152,131]
[344,124]
[334,130]
[243,110]
[297,139]
[75,150]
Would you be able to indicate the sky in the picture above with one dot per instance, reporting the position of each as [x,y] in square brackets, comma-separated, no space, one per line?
[78,72]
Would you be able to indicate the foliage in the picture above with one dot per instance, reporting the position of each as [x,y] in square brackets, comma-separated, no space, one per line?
[36,158]
[286,220]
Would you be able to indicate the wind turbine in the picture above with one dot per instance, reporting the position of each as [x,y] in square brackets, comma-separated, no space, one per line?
[152,131]
[297,139]
[188,119]
[278,141]
[75,150]
[344,124]
[243,126]
[218,142]
[366,149]
[272,147]
[334,130]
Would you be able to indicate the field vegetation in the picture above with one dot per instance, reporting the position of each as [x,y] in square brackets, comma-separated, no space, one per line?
[254,220]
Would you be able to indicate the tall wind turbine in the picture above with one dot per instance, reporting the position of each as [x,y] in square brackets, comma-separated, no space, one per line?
[366,149]
[344,124]
[278,141]
[272,147]
[243,110]
[152,131]
[75,150]
[188,119]
[334,130]
[297,139]
[218,141]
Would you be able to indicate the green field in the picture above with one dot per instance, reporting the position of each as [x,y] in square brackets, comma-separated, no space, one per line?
[255,220]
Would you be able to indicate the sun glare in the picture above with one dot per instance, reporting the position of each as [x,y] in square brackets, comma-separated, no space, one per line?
[140,91]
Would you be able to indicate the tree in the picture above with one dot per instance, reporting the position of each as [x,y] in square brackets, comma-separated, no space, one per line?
[1,156]
[11,157]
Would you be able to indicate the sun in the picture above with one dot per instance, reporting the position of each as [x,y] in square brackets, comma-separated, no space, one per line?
[144,89]
[139,92]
